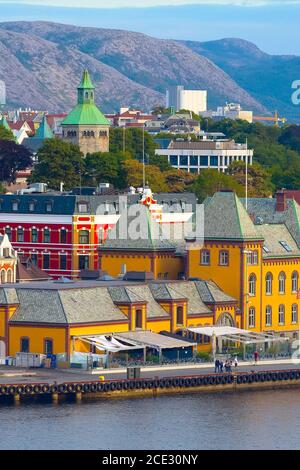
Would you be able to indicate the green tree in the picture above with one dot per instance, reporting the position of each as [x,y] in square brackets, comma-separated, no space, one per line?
[259,179]
[212,181]
[105,168]
[6,134]
[133,174]
[2,188]
[58,161]
[160,161]
[13,157]
[179,181]
[290,137]
[133,140]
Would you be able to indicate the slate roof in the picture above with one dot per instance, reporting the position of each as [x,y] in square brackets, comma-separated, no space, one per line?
[143,234]
[153,308]
[66,306]
[273,234]
[227,219]
[189,291]
[210,293]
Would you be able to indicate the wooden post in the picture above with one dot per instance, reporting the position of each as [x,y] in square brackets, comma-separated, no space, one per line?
[54,397]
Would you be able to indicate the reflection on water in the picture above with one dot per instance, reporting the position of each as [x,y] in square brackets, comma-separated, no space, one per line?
[245,420]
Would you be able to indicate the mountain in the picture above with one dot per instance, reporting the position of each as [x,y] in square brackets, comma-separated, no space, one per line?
[41,63]
[268,78]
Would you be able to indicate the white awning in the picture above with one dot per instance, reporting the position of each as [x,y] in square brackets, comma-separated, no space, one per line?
[236,334]
[108,343]
[154,340]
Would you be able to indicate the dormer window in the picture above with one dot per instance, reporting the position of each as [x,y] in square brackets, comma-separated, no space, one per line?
[15,206]
[31,206]
[49,206]
[82,207]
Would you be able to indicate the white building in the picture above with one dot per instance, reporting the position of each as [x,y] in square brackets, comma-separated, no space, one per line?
[231,111]
[213,154]
[192,100]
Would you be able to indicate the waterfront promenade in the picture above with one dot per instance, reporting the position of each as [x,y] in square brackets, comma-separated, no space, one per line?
[14,375]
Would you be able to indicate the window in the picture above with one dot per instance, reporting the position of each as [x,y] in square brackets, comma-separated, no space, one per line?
[31,206]
[8,232]
[268,316]
[269,284]
[5,252]
[295,278]
[24,345]
[205,257]
[204,160]
[294,313]
[286,246]
[252,317]
[46,261]
[63,261]
[34,258]
[84,237]
[46,235]
[63,236]
[138,319]
[252,257]
[174,160]
[82,207]
[34,235]
[15,206]
[281,315]
[193,160]
[183,159]
[179,316]
[9,276]
[224,258]
[48,346]
[20,235]
[48,206]
[252,285]
[214,160]
[83,262]
[3,277]
[281,283]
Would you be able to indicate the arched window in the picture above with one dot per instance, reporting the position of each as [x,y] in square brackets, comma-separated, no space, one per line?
[48,346]
[84,237]
[252,284]
[252,317]
[269,284]
[63,236]
[20,235]
[281,283]
[3,277]
[86,95]
[281,315]
[9,276]
[294,313]
[268,315]
[295,279]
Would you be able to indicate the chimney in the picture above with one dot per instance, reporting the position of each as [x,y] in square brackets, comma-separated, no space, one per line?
[281,198]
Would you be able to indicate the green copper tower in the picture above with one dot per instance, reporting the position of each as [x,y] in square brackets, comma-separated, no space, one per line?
[85,125]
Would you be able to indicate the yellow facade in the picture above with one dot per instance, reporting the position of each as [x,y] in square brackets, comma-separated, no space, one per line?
[37,337]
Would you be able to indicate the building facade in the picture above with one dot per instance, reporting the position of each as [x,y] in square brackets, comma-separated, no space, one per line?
[196,156]
[192,100]
[85,125]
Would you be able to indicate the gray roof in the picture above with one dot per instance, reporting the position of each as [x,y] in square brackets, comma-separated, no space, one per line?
[124,295]
[189,291]
[66,306]
[144,292]
[273,234]
[227,219]
[210,293]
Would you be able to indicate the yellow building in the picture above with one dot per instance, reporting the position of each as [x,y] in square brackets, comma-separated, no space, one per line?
[56,317]
[253,256]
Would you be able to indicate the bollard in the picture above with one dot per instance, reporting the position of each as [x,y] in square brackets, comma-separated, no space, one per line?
[78,397]
[55,397]
[17,399]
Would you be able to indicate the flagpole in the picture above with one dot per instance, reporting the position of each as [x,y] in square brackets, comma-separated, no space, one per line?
[246,176]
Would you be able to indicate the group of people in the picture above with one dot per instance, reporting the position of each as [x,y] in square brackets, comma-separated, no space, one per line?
[220,366]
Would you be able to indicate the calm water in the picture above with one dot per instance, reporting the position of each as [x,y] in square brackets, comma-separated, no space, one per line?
[248,420]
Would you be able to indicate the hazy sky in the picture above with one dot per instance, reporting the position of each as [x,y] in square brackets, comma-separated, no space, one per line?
[147,3]
[273,25]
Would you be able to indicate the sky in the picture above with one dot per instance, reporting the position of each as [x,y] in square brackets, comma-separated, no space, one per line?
[273,25]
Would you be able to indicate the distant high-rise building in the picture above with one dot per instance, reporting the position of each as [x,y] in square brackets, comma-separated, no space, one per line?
[192,100]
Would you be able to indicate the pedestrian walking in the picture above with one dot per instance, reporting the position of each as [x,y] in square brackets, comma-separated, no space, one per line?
[236,362]
[221,366]
[217,366]
[256,357]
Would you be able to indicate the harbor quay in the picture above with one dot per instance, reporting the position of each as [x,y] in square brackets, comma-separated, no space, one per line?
[61,386]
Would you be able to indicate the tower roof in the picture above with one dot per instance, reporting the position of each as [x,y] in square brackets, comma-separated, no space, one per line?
[44,131]
[4,123]
[86,112]
[86,81]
